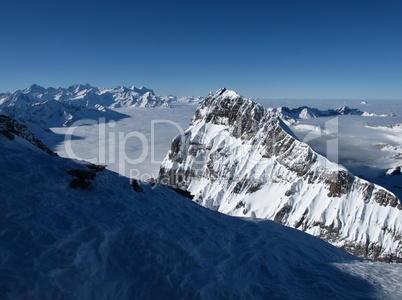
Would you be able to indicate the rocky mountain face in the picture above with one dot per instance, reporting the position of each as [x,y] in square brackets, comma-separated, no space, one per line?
[242,160]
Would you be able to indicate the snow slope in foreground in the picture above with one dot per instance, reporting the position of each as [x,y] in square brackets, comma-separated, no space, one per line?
[109,242]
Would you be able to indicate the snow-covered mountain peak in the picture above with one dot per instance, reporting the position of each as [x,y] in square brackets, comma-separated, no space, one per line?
[227,107]
[225,93]
[50,107]
[142,90]
[79,88]
[35,89]
[240,159]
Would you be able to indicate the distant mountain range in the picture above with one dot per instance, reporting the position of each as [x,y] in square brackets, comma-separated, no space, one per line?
[243,160]
[41,108]
[291,116]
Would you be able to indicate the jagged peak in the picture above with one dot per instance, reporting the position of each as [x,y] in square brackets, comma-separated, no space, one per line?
[220,91]
[243,116]
[228,103]
[79,87]
[225,93]
[34,88]
[83,86]
[228,96]
[143,90]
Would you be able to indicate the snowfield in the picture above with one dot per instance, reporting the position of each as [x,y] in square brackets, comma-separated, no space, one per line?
[110,242]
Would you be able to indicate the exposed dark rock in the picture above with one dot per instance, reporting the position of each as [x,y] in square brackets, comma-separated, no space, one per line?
[97,168]
[175,147]
[253,187]
[136,186]
[84,177]
[395,171]
[328,233]
[184,193]
[79,183]
[238,187]
[83,174]
[210,167]
[240,204]
[152,181]
[384,198]
[9,127]
[300,222]
[282,214]
[193,150]
[7,134]
[340,183]
[368,189]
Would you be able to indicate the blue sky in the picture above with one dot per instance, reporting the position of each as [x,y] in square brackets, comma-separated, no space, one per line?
[269,49]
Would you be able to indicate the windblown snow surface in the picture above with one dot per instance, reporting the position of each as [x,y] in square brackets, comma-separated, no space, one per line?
[110,242]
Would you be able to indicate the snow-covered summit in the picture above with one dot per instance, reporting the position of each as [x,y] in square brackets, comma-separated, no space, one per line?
[36,89]
[240,159]
[107,241]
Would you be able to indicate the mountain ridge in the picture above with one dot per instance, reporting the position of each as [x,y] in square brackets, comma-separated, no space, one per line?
[292,115]
[236,156]
[42,108]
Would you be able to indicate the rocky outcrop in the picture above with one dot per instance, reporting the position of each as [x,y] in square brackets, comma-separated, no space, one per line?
[82,178]
[242,160]
[11,128]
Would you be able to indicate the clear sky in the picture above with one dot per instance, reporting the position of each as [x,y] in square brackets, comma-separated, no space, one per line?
[267,49]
